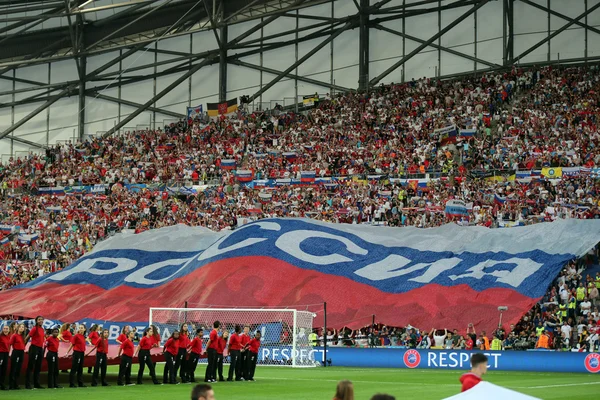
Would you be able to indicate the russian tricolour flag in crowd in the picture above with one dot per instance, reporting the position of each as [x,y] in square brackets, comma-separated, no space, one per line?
[227,164]
[499,199]
[290,155]
[244,175]
[8,228]
[467,133]
[307,176]
[27,238]
[447,134]
[265,196]
[456,208]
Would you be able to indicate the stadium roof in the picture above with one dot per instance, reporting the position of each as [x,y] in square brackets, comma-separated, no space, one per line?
[42,30]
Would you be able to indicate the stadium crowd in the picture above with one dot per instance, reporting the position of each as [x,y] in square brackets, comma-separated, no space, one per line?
[523,120]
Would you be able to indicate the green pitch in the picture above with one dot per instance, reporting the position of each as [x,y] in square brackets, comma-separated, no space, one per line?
[319,383]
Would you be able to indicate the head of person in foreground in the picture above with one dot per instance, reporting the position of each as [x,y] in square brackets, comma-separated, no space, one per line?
[203,392]
[479,364]
[383,396]
[344,391]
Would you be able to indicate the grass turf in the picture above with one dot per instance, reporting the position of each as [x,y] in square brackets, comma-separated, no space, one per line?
[319,383]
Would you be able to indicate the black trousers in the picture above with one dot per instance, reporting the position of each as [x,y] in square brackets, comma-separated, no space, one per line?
[211,369]
[77,368]
[169,373]
[191,366]
[220,366]
[99,369]
[252,359]
[180,363]
[34,366]
[52,359]
[16,362]
[234,364]
[124,370]
[3,367]
[145,360]
[244,357]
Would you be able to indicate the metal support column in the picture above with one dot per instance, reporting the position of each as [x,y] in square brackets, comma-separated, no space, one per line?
[363,46]
[223,64]
[438,70]
[403,41]
[585,54]
[508,32]
[81,109]
[475,42]
[549,29]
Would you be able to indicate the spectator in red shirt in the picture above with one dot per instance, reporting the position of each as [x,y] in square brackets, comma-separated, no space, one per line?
[4,348]
[235,346]
[253,357]
[469,343]
[143,351]
[479,365]
[126,353]
[211,349]
[170,350]
[36,354]
[52,344]
[195,350]
[220,353]
[101,352]
[17,342]
[78,347]
[180,361]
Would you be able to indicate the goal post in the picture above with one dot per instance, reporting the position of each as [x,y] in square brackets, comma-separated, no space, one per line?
[285,332]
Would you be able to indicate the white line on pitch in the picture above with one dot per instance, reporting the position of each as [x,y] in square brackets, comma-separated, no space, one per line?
[555,386]
[378,382]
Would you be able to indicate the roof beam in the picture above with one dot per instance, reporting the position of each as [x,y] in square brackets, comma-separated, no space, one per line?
[555,33]
[42,18]
[132,104]
[27,142]
[291,76]
[560,15]
[269,85]
[435,37]
[35,112]
[113,33]
[435,46]
[158,96]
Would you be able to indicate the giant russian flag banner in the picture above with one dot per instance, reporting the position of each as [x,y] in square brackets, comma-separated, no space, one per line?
[450,275]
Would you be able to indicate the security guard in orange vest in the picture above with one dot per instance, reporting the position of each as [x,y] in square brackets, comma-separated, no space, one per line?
[543,341]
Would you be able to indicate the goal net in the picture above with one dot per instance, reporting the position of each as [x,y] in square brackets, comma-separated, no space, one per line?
[285,333]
